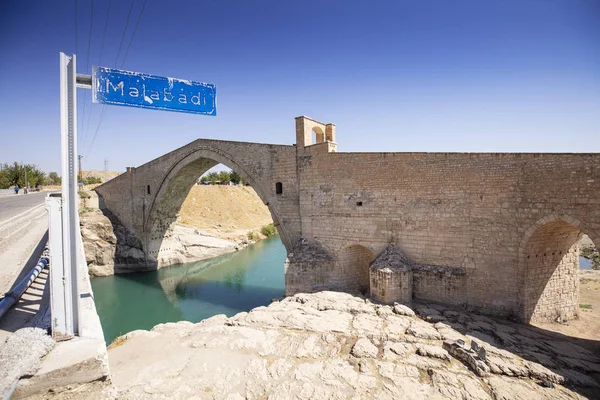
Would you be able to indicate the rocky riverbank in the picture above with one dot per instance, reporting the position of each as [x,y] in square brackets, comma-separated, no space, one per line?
[332,345]
[213,220]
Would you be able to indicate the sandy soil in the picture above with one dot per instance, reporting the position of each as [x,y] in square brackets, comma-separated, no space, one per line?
[226,211]
[104,175]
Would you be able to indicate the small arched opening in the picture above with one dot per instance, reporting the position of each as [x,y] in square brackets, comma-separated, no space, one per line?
[354,261]
[318,135]
[550,273]
[278,188]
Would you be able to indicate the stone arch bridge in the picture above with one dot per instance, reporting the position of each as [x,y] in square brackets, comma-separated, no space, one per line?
[493,231]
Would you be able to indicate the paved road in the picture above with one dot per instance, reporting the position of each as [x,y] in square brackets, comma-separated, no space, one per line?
[11,205]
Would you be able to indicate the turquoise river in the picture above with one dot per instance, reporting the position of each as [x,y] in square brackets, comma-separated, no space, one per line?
[227,284]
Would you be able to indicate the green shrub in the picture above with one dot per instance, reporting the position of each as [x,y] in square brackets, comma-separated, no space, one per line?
[586,306]
[84,195]
[85,210]
[252,235]
[592,255]
[269,230]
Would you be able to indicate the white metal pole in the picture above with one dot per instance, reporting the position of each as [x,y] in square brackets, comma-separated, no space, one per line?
[58,305]
[68,120]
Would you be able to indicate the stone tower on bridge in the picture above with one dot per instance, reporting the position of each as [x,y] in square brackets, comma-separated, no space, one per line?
[493,231]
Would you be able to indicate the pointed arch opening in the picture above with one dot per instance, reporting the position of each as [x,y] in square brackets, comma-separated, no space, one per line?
[161,212]
[549,258]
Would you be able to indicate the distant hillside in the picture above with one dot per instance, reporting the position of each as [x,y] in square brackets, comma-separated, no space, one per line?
[226,211]
[104,175]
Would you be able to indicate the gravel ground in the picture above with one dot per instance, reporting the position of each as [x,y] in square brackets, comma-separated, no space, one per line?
[20,355]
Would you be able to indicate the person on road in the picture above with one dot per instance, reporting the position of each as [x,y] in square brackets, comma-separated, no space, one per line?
[17,189]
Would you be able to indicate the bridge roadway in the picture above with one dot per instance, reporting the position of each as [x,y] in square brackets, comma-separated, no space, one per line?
[12,205]
[23,235]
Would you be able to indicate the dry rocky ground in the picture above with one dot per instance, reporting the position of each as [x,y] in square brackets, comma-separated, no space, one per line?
[332,345]
[587,326]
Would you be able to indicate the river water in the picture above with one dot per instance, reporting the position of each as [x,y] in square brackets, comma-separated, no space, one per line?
[584,263]
[227,284]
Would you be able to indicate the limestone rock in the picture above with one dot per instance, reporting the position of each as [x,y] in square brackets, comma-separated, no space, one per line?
[451,315]
[542,373]
[425,311]
[395,350]
[468,357]
[504,388]
[481,326]
[326,345]
[109,247]
[401,309]
[423,330]
[364,348]
[427,350]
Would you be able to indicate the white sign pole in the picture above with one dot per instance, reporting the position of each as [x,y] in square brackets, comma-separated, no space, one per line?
[68,128]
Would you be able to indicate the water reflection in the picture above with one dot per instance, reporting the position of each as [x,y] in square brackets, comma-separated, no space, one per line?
[584,263]
[224,285]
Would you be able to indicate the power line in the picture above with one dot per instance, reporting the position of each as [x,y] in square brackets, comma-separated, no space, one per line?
[87,63]
[76,52]
[105,108]
[76,25]
[134,31]
[124,31]
[100,63]
[104,34]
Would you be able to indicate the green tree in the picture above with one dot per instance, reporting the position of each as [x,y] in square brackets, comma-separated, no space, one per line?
[90,180]
[224,177]
[22,175]
[235,178]
[211,177]
[4,177]
[53,179]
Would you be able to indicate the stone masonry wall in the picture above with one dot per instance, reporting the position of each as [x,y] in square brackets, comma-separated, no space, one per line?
[476,212]
[389,286]
[551,276]
[147,198]
[467,210]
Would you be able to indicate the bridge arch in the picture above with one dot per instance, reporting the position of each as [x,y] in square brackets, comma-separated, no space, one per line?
[173,188]
[548,268]
[354,262]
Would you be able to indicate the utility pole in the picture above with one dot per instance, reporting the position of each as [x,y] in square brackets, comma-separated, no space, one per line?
[106,164]
[79,157]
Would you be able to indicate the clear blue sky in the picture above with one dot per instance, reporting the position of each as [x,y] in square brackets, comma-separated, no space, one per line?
[401,75]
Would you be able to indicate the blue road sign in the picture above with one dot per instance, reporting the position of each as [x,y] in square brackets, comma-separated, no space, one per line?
[133,89]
